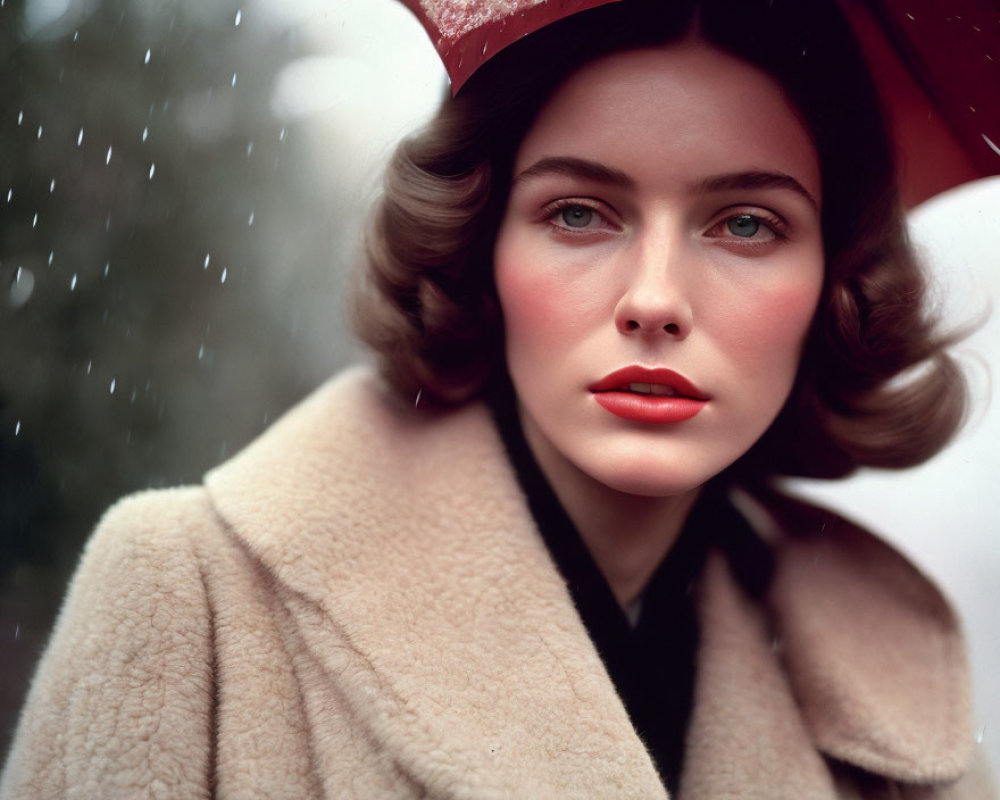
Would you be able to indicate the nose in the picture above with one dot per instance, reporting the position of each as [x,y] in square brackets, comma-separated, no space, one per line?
[656,300]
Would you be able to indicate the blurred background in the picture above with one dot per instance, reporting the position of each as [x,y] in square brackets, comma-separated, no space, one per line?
[183,189]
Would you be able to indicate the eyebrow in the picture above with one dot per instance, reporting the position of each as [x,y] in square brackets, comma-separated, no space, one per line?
[756,180]
[594,171]
[576,168]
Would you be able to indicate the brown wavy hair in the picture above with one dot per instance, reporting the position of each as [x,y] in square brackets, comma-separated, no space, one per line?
[875,386]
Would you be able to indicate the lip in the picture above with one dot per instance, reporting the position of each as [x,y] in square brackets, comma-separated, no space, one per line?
[610,394]
[660,375]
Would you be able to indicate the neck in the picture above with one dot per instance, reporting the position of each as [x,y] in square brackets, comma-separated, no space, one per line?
[627,535]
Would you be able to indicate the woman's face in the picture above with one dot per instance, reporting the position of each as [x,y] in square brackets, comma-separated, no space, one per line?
[658,266]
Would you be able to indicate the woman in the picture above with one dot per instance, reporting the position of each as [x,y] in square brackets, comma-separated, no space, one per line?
[642,263]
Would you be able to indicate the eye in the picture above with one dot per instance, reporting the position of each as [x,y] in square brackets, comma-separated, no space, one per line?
[574,216]
[748,228]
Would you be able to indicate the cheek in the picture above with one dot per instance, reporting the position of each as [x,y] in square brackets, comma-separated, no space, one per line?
[524,303]
[524,298]
[788,311]
[772,325]
[540,305]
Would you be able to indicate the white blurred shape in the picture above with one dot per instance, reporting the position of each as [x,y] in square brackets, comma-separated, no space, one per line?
[54,18]
[314,84]
[378,80]
[39,13]
[21,287]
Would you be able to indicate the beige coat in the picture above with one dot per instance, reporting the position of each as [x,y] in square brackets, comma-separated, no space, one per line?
[359,605]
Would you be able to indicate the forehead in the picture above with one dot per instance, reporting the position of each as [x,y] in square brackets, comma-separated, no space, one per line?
[685,110]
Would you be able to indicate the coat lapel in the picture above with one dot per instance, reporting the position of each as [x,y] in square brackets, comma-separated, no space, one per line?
[413,573]
[747,739]
[855,656]
[874,652]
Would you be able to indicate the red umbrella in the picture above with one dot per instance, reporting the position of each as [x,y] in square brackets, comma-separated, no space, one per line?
[936,64]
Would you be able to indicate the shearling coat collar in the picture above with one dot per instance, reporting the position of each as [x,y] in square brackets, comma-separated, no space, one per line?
[408,535]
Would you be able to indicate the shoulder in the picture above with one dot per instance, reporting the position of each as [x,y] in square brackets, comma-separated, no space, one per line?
[144,563]
[151,547]
[150,525]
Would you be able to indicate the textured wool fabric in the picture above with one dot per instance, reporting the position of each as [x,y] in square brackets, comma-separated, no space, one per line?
[359,605]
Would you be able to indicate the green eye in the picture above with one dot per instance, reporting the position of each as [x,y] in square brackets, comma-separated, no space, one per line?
[743,225]
[577,216]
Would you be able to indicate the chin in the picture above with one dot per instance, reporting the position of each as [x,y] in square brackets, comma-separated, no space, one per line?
[652,479]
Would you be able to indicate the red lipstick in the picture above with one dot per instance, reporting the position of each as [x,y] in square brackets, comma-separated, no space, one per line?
[641,394]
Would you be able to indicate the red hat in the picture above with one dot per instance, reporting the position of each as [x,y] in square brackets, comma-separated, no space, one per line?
[937,66]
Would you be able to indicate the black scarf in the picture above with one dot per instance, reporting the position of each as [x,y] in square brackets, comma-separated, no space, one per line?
[653,662]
